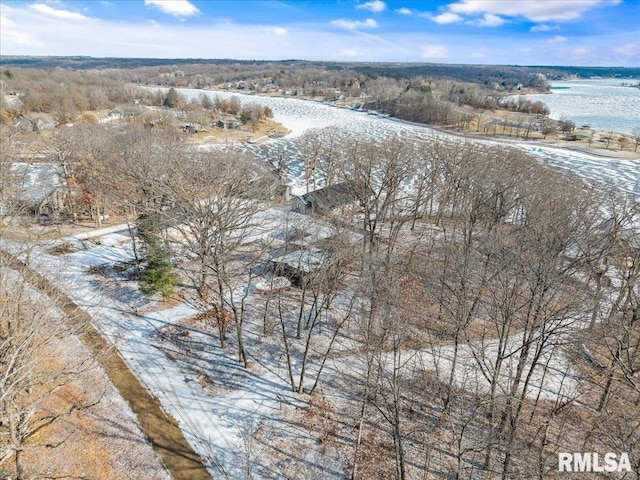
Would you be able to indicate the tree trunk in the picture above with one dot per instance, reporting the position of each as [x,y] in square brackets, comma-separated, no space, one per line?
[285,341]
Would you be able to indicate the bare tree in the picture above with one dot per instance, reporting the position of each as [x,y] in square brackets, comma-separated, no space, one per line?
[30,333]
[215,196]
[374,173]
[621,324]
[8,180]
[635,135]
[311,148]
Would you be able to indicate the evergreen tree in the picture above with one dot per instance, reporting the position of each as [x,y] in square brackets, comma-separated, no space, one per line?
[172,99]
[157,276]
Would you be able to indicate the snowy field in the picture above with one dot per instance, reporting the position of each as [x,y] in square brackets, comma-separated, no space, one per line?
[215,425]
[131,455]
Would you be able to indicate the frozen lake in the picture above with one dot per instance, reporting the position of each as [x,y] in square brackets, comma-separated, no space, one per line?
[301,115]
[604,104]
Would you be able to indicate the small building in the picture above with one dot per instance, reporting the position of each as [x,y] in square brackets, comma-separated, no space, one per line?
[115,114]
[193,128]
[575,137]
[229,124]
[324,199]
[299,266]
[33,124]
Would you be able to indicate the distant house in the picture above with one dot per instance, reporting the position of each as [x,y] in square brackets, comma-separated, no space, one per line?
[24,124]
[125,112]
[115,114]
[575,137]
[324,199]
[33,124]
[193,128]
[299,266]
[229,124]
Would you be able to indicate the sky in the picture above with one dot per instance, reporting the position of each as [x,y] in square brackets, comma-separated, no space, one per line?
[513,32]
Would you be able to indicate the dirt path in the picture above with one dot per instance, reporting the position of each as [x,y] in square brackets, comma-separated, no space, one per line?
[162,431]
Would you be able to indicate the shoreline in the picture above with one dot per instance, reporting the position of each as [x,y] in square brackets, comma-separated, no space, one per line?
[573,146]
[608,104]
[578,145]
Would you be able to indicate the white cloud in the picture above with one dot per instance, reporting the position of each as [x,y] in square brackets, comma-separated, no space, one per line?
[22,39]
[355,24]
[25,31]
[631,50]
[56,13]
[13,33]
[490,20]
[536,11]
[403,11]
[5,22]
[543,28]
[277,31]
[558,39]
[446,17]
[177,8]
[434,51]
[374,6]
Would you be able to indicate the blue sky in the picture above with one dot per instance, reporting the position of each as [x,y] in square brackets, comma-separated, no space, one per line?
[523,32]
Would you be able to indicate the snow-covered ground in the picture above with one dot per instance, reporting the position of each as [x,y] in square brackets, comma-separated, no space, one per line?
[132,456]
[301,116]
[214,423]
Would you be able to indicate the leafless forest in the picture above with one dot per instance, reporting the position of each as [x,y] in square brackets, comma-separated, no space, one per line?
[465,313]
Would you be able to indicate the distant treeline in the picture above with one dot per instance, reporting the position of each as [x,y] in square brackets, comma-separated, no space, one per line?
[486,73]
[88,63]
[469,73]
[435,94]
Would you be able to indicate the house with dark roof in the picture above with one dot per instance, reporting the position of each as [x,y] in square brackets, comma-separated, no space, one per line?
[300,266]
[324,199]
[232,123]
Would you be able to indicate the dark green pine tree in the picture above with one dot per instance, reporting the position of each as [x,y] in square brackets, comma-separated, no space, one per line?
[172,99]
[157,276]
